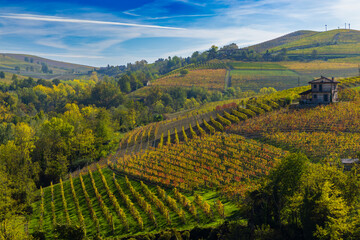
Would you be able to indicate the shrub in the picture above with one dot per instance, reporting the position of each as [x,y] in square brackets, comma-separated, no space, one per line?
[240,115]
[183,72]
[176,137]
[208,126]
[231,117]
[248,112]
[193,133]
[273,104]
[216,124]
[184,135]
[265,107]
[255,109]
[202,131]
[223,120]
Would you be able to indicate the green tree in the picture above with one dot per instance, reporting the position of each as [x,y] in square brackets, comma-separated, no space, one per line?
[314,54]
[53,148]
[2,74]
[44,68]
[212,52]
[183,72]
[15,156]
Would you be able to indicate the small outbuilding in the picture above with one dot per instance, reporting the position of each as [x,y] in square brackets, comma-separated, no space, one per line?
[323,91]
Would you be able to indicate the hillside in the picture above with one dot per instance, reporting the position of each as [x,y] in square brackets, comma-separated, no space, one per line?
[112,205]
[196,170]
[280,41]
[332,43]
[32,66]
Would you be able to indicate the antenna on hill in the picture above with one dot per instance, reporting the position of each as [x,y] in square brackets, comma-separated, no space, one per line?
[349,26]
[325,27]
[345,25]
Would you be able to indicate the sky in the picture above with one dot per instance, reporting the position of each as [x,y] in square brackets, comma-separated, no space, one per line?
[102,32]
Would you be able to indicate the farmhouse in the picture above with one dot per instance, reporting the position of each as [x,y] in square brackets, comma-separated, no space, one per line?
[323,91]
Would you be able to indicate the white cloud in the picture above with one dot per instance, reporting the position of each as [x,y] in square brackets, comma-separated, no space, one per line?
[72,20]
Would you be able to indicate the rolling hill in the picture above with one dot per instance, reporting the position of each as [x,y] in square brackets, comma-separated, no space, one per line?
[332,43]
[288,38]
[32,66]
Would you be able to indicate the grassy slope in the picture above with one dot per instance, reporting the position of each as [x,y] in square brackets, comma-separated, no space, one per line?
[262,47]
[51,63]
[8,77]
[8,62]
[335,41]
[210,196]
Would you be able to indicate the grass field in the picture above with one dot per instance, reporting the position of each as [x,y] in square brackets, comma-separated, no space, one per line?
[105,229]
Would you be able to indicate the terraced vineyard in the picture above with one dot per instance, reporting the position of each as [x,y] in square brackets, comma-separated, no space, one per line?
[210,161]
[325,132]
[106,204]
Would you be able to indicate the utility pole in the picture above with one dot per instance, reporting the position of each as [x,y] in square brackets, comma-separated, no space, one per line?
[349,26]
[345,25]
[325,27]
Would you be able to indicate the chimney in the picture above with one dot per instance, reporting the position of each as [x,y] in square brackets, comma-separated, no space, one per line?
[332,78]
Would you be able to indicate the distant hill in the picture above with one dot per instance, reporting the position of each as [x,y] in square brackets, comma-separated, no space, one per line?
[291,37]
[333,44]
[38,67]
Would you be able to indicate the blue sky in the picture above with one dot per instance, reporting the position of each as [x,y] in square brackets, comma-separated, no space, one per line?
[101,32]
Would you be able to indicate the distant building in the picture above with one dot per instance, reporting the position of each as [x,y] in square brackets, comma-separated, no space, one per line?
[349,162]
[323,91]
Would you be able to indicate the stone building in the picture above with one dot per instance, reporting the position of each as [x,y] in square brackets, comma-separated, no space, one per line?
[323,91]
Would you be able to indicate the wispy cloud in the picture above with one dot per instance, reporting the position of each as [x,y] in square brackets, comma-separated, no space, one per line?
[85,21]
[182,16]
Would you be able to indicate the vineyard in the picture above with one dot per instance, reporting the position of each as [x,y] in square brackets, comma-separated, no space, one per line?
[213,79]
[343,117]
[318,145]
[325,132]
[210,161]
[106,204]
[214,64]
[285,75]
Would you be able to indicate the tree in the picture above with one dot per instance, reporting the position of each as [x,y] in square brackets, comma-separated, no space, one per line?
[314,54]
[270,204]
[212,52]
[183,72]
[53,148]
[94,77]
[2,74]
[268,90]
[106,94]
[44,68]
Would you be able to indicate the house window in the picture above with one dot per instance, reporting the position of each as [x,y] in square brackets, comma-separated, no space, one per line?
[315,96]
[326,98]
[314,85]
